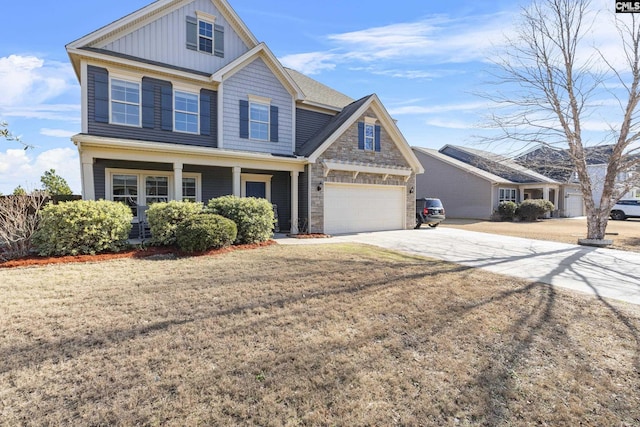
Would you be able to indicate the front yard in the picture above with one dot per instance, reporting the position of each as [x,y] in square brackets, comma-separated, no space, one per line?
[309,335]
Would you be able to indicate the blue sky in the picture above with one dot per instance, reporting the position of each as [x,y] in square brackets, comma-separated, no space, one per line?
[424,59]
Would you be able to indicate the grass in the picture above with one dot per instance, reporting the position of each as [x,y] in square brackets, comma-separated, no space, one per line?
[309,335]
[625,234]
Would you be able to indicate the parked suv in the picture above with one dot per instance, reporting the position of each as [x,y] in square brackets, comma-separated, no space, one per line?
[429,211]
[626,209]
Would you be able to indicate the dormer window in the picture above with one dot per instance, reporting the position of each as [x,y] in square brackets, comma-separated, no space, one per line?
[204,35]
[369,135]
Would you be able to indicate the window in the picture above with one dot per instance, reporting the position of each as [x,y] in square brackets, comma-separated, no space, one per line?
[186,112]
[507,195]
[143,188]
[259,121]
[189,189]
[125,102]
[369,136]
[205,36]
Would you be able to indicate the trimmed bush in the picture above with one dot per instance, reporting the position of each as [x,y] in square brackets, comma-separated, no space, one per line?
[507,210]
[82,227]
[253,216]
[205,231]
[532,209]
[164,217]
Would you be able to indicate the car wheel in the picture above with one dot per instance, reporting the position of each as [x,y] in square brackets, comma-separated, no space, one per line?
[418,222]
[433,225]
[618,215]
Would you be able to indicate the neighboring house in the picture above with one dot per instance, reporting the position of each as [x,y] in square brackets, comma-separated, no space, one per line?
[181,102]
[471,183]
[556,163]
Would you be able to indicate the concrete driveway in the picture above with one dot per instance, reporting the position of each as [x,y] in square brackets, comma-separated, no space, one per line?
[606,273]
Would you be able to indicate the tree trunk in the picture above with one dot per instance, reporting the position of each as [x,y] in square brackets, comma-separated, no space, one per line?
[597,224]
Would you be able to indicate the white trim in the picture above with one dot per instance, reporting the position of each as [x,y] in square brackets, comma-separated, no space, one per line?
[254,177]
[84,90]
[256,101]
[357,168]
[259,99]
[204,16]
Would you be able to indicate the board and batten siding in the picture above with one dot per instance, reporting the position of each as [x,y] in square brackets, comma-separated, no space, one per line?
[164,40]
[257,79]
[156,134]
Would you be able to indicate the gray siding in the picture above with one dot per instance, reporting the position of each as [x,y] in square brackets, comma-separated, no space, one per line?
[309,123]
[280,195]
[164,40]
[156,134]
[257,79]
[216,181]
[463,195]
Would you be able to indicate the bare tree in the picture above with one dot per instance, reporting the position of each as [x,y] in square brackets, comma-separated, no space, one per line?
[18,222]
[6,134]
[555,84]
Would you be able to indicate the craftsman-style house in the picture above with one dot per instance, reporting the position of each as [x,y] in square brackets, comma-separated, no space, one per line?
[181,102]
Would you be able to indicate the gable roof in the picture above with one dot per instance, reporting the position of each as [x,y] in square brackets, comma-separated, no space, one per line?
[319,143]
[151,12]
[260,51]
[496,164]
[463,166]
[318,94]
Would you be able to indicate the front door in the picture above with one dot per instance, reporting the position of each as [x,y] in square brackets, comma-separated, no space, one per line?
[256,189]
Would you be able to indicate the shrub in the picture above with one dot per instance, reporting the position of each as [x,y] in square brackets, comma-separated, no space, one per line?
[532,209]
[82,227]
[205,231]
[164,217]
[18,222]
[507,210]
[253,216]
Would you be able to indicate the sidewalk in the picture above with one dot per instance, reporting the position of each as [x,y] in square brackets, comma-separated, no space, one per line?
[606,273]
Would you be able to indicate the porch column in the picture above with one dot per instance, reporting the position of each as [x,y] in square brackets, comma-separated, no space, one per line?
[294,202]
[177,181]
[545,196]
[88,185]
[236,181]
[556,198]
[521,194]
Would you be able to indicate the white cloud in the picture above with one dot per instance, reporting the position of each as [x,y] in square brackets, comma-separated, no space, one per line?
[310,63]
[438,109]
[20,167]
[57,133]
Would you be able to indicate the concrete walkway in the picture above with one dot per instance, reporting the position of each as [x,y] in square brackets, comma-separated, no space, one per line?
[606,273]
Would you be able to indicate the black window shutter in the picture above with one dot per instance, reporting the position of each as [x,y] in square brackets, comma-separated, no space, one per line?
[192,33]
[205,114]
[274,124]
[218,40]
[101,93]
[166,105]
[377,136]
[244,119]
[148,99]
[361,135]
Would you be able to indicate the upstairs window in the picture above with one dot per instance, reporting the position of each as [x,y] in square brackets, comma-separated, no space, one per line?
[258,121]
[186,112]
[369,135]
[205,36]
[125,102]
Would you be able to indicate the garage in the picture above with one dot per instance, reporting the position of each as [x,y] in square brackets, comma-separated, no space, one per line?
[353,208]
[573,205]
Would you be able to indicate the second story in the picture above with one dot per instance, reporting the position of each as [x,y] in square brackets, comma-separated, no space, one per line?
[190,72]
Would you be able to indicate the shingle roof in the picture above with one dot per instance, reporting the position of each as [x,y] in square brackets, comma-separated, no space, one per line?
[496,164]
[338,120]
[463,166]
[318,93]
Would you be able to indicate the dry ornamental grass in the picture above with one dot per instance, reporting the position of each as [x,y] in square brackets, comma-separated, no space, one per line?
[309,335]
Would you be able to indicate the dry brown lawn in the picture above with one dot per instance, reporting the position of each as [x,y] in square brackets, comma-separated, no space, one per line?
[309,335]
[625,234]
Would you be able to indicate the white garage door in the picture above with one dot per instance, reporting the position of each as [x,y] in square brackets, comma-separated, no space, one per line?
[573,205]
[352,208]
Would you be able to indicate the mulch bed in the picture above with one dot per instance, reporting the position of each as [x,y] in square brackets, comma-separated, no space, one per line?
[129,253]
